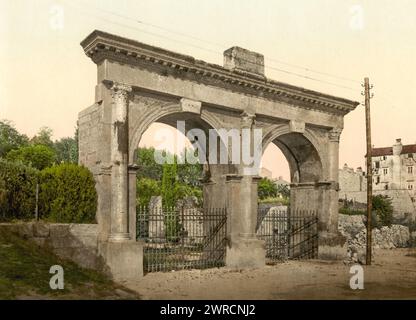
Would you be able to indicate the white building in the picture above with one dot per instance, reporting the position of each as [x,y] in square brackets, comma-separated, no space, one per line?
[394,168]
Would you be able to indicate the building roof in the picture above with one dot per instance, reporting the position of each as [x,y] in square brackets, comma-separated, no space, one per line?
[388,151]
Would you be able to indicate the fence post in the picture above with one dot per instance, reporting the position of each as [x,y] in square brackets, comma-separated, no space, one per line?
[37,201]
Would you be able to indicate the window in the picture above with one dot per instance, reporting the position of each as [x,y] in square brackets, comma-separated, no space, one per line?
[410,186]
[386,187]
[409,169]
[385,171]
[384,158]
[377,163]
[410,155]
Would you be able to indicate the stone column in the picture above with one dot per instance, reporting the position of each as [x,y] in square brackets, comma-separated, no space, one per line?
[132,213]
[119,163]
[331,242]
[333,187]
[244,249]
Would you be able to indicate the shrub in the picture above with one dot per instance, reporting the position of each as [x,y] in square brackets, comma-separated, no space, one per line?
[266,189]
[37,156]
[17,190]
[67,194]
[383,208]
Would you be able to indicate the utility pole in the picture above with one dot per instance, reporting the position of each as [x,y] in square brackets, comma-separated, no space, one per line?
[369,169]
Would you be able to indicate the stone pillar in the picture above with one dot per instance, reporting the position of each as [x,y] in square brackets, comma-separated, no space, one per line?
[132,213]
[331,242]
[244,249]
[119,163]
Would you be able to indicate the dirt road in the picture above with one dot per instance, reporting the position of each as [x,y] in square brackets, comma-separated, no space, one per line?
[392,276]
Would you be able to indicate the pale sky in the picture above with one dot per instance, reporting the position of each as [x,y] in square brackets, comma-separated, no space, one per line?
[46,79]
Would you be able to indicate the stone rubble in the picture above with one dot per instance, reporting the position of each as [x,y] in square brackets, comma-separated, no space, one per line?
[354,229]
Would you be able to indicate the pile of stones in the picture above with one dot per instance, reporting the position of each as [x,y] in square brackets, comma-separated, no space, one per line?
[353,228]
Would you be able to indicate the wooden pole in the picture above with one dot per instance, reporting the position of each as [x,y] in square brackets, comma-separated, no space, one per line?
[369,170]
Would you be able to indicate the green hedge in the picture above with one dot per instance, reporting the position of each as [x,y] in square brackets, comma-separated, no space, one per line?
[67,194]
[17,191]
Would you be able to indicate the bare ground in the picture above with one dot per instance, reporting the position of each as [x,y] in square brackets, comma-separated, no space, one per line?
[391,276]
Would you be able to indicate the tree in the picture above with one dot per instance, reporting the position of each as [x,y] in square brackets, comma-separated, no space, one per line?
[169,184]
[146,188]
[43,137]
[266,189]
[10,138]
[188,173]
[148,168]
[383,208]
[36,156]
[66,150]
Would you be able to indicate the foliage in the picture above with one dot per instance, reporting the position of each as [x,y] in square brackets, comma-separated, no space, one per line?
[188,173]
[43,137]
[275,201]
[66,150]
[18,190]
[146,188]
[169,184]
[147,166]
[266,189]
[36,156]
[67,194]
[351,212]
[383,208]
[10,138]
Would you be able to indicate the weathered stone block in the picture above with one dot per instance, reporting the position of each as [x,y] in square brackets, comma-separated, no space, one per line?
[240,59]
[41,230]
[123,259]
[246,254]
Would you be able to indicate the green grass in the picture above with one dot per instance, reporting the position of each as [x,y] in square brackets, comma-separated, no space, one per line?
[24,273]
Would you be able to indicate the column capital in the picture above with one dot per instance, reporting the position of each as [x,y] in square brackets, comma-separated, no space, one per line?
[247,119]
[334,134]
[120,90]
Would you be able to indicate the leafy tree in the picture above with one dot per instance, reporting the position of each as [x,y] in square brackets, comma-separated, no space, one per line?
[146,188]
[43,137]
[169,184]
[148,168]
[266,189]
[36,156]
[188,173]
[10,138]
[66,150]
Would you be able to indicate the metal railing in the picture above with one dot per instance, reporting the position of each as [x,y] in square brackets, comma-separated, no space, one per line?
[288,234]
[186,238]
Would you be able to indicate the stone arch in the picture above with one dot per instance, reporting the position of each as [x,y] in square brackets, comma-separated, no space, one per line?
[303,168]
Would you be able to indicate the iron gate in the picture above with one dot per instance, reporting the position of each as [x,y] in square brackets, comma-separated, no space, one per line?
[288,234]
[178,239]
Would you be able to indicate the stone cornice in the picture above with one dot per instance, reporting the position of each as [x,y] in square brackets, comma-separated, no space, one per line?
[100,45]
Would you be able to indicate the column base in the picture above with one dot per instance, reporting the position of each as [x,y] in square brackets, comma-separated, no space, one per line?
[246,253]
[119,237]
[124,260]
[332,246]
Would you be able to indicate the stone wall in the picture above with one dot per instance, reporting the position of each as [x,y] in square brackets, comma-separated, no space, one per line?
[75,242]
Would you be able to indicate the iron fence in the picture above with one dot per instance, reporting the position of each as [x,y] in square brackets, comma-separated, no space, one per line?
[183,238]
[288,234]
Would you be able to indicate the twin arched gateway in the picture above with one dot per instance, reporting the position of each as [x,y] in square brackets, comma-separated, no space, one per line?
[139,84]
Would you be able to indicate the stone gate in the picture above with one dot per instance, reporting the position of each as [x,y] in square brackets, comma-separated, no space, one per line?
[138,84]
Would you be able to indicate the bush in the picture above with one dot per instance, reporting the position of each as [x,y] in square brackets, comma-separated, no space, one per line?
[266,189]
[67,194]
[384,209]
[37,156]
[17,191]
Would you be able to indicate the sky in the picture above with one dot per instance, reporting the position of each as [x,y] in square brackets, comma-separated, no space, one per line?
[324,45]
